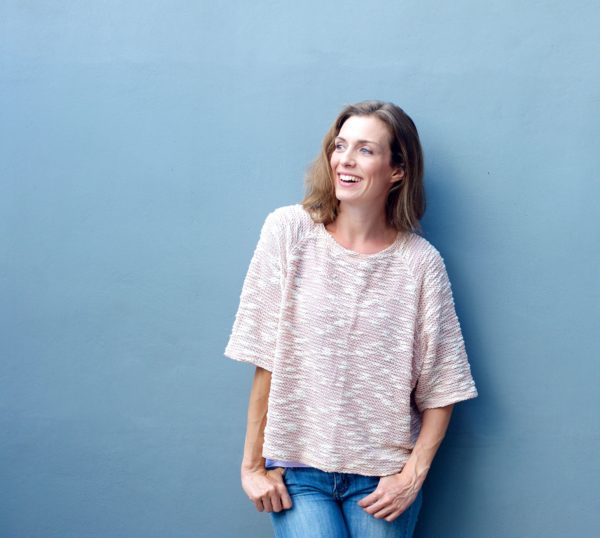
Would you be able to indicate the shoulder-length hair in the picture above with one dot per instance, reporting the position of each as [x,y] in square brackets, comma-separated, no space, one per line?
[405,204]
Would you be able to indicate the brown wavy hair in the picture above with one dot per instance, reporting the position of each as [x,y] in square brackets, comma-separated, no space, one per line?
[405,204]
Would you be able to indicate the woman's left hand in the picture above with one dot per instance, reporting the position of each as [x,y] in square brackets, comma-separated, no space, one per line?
[394,494]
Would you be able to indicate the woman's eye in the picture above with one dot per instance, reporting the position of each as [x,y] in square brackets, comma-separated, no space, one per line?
[366,150]
[338,147]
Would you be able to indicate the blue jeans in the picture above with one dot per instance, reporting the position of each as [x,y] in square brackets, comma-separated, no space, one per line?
[324,505]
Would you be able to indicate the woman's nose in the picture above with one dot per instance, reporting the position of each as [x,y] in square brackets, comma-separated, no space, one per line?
[347,159]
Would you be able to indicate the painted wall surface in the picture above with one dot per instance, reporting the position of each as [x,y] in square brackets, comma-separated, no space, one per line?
[141,146]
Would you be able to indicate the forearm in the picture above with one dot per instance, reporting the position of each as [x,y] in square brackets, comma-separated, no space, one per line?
[433,429]
[257,419]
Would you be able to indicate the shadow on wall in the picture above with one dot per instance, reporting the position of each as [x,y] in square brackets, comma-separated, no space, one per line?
[453,476]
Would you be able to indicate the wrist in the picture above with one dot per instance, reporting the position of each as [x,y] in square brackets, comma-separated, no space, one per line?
[253,464]
[416,468]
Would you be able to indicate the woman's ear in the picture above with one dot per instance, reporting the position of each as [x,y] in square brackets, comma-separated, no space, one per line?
[397,174]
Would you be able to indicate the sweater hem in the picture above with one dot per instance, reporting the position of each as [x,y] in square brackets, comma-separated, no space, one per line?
[385,470]
[231,354]
[447,400]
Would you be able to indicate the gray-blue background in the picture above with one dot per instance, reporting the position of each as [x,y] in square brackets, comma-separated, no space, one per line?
[142,145]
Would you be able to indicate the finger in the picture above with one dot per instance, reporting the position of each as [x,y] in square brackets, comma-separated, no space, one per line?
[369,499]
[393,516]
[395,512]
[286,500]
[380,505]
[266,501]
[283,499]
[276,471]
[384,511]
[275,501]
[279,488]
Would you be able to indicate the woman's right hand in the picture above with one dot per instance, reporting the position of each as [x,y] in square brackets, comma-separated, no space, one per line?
[266,489]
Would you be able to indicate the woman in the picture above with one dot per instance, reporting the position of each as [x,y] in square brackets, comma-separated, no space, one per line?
[348,315]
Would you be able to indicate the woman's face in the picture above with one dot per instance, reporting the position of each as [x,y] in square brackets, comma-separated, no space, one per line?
[360,161]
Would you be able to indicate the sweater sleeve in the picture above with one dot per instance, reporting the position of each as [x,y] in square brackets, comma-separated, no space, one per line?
[254,333]
[445,377]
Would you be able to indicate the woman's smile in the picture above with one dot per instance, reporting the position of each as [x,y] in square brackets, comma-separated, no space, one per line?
[348,180]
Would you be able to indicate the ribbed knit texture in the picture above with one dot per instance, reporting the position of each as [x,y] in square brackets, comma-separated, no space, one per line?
[358,344]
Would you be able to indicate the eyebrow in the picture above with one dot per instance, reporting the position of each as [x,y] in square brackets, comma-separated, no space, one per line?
[359,141]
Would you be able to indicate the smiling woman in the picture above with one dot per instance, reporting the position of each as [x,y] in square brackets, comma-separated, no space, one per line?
[348,315]
[362,166]
[363,132]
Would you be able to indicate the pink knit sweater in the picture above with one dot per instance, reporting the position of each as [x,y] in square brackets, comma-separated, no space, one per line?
[358,344]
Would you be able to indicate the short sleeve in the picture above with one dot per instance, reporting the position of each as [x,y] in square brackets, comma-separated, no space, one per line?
[445,377]
[254,333]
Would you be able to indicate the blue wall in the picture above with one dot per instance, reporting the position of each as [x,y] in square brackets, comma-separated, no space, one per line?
[141,146]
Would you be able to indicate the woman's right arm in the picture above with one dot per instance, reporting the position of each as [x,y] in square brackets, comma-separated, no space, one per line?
[265,488]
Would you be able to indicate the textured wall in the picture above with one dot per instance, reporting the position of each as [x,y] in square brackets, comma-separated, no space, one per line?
[141,146]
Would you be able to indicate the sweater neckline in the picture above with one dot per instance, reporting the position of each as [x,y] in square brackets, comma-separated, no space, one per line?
[390,249]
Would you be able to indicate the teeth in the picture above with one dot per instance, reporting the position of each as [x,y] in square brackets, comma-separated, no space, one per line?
[352,179]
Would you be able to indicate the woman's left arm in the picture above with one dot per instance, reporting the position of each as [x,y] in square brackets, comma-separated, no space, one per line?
[396,492]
